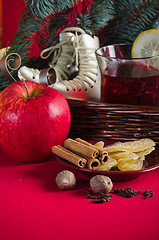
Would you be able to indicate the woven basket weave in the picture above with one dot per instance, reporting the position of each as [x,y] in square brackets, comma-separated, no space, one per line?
[92,120]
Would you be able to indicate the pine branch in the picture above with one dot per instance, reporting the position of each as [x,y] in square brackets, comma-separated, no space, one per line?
[101,13]
[95,15]
[131,18]
[43,8]
[91,17]
[22,41]
[49,35]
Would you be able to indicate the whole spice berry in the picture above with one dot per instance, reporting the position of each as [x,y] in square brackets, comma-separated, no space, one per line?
[101,184]
[65,180]
[101,198]
[148,193]
[126,192]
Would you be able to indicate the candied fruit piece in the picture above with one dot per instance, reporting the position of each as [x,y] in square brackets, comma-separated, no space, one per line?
[131,167]
[134,146]
[126,155]
[99,144]
[108,164]
[145,152]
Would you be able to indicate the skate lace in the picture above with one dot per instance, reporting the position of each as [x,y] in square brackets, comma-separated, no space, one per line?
[87,71]
[60,57]
[73,54]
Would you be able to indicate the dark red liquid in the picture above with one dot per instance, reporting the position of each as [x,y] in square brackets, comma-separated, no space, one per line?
[131,84]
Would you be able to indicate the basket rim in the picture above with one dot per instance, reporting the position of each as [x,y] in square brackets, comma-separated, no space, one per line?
[123,107]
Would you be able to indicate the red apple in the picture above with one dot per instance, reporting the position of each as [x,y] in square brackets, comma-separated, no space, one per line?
[31,125]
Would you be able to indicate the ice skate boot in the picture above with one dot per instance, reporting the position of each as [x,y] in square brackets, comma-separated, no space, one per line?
[87,84]
[62,63]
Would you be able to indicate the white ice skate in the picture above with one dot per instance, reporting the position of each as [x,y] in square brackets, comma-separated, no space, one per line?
[76,73]
[87,84]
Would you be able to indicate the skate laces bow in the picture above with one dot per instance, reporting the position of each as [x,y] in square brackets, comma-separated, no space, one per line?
[57,49]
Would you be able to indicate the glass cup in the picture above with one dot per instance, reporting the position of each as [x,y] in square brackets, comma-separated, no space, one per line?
[128,80]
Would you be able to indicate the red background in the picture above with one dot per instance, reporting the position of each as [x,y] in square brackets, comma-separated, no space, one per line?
[11,13]
[32,207]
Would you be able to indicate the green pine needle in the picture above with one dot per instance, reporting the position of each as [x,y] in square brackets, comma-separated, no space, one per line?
[131,18]
[43,8]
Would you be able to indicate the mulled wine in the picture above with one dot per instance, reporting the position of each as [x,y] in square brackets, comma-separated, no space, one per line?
[127,80]
[131,83]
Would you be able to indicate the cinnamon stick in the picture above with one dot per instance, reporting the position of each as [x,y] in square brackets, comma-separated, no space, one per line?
[93,163]
[81,149]
[69,156]
[103,155]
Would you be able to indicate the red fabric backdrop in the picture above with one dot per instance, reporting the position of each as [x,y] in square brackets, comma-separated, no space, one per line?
[11,15]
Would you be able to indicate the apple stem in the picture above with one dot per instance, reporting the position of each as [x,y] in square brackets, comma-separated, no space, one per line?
[24,83]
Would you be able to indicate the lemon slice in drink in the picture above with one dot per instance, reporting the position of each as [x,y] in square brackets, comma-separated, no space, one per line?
[147,45]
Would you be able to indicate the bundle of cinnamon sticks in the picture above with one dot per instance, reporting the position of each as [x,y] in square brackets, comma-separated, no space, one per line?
[81,153]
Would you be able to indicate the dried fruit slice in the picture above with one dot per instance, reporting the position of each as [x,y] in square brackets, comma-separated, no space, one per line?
[99,144]
[145,152]
[108,164]
[131,167]
[131,158]
[123,155]
[130,161]
[134,146]
[113,147]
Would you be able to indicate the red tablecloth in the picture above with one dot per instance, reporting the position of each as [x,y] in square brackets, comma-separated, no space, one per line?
[32,207]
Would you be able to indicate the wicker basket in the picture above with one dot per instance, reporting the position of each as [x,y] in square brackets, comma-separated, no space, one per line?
[92,120]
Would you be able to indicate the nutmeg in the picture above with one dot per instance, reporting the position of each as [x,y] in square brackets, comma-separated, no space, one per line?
[66,179]
[101,184]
